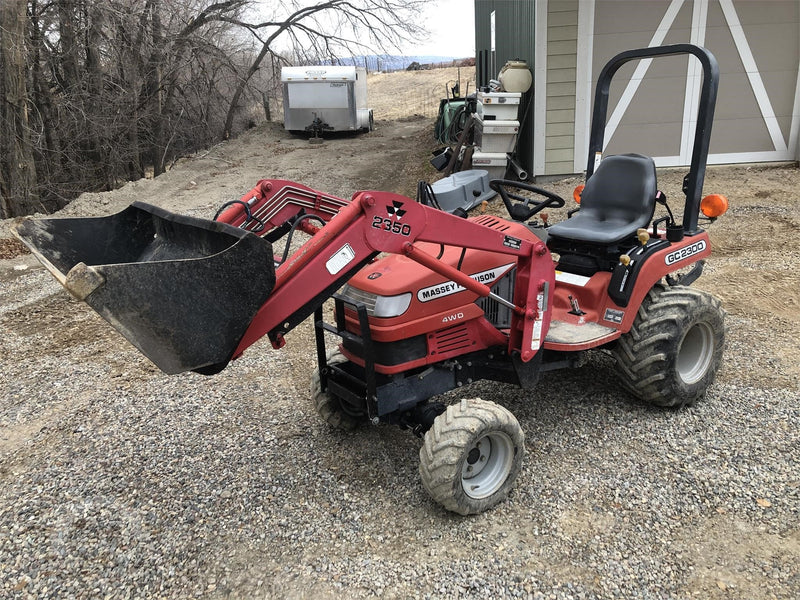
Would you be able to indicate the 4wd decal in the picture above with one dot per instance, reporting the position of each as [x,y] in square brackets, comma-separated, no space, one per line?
[571,278]
[454,317]
[685,252]
[446,288]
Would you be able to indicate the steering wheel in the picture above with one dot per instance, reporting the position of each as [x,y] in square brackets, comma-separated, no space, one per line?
[525,208]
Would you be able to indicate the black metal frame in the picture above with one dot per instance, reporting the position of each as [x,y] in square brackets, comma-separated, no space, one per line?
[330,374]
[693,182]
[396,399]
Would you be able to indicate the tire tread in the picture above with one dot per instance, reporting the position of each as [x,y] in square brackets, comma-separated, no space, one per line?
[325,405]
[442,452]
[643,355]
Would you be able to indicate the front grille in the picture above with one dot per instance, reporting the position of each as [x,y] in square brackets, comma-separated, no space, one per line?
[452,339]
[498,314]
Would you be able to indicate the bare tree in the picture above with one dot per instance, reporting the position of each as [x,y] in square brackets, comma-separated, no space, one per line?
[97,92]
[17,171]
[327,29]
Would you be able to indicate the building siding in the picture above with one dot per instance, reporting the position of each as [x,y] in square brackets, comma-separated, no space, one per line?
[514,39]
[754,118]
[756,43]
[562,44]
[557,129]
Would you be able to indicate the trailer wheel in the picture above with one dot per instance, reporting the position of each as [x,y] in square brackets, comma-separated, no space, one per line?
[329,406]
[471,456]
[674,348]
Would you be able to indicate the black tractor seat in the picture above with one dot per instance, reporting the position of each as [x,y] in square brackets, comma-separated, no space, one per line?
[618,199]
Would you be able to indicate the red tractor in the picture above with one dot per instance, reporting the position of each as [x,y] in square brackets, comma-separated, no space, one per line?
[424,301]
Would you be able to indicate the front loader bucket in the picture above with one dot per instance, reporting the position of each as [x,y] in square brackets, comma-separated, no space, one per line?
[182,290]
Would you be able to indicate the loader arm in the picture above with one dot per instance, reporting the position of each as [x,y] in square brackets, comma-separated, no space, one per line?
[276,203]
[375,222]
[192,294]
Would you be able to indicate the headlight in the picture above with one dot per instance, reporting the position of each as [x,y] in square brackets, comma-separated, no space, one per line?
[379,306]
[392,306]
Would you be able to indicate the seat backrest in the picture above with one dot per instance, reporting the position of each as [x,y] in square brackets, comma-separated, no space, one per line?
[622,187]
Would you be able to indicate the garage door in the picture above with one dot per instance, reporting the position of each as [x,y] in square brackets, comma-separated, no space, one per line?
[652,103]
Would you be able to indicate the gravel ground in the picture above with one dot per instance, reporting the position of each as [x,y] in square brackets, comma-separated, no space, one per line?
[121,482]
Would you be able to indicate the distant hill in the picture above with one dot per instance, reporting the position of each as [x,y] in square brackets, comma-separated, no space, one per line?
[387,62]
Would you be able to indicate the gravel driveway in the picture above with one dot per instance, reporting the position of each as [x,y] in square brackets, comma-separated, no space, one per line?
[121,482]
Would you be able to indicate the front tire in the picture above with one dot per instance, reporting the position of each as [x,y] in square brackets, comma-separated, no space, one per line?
[674,348]
[329,406]
[471,456]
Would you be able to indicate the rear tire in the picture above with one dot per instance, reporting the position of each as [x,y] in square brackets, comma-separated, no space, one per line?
[674,348]
[471,456]
[329,406]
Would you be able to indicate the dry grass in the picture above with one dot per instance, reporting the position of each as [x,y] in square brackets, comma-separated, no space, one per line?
[407,93]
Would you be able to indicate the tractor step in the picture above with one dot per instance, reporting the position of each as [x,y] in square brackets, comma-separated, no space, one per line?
[571,336]
[182,290]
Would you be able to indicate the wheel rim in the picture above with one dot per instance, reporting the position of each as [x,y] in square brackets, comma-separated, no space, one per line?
[695,353]
[487,465]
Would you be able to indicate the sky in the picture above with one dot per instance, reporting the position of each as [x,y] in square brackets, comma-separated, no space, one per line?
[452,27]
[451,24]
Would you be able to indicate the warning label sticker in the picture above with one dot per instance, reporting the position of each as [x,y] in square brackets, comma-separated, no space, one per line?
[571,278]
[341,259]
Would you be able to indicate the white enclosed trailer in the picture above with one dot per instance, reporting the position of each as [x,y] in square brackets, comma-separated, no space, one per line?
[331,98]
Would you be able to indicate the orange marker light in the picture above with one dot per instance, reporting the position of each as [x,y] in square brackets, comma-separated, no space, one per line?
[576,193]
[714,205]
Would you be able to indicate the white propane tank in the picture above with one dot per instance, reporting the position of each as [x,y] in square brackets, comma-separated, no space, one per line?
[515,76]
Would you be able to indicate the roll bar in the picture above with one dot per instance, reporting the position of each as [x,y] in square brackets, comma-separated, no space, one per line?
[693,182]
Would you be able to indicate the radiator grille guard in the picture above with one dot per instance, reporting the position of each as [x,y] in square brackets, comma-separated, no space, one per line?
[498,314]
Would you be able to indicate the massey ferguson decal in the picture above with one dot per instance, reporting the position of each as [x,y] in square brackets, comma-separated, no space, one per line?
[685,252]
[391,224]
[446,288]
[395,210]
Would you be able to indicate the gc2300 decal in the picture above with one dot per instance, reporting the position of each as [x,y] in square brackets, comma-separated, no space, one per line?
[685,252]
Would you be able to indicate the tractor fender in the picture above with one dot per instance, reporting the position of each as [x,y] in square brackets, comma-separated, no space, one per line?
[649,264]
